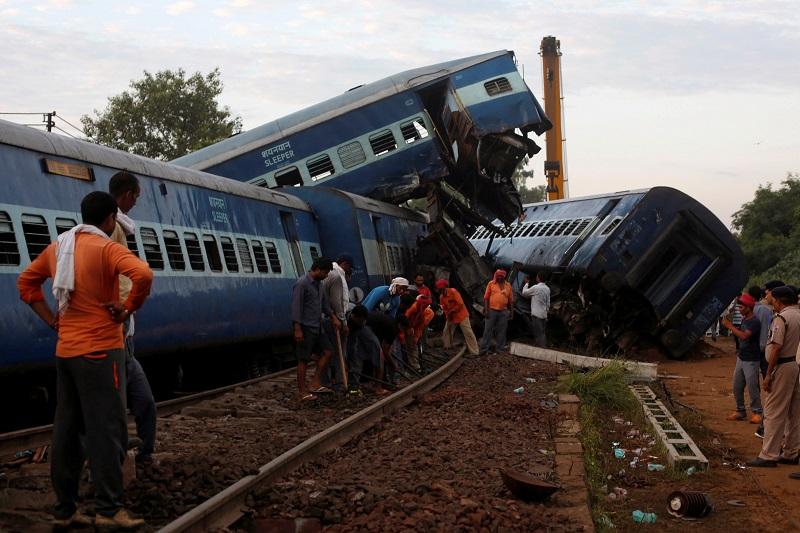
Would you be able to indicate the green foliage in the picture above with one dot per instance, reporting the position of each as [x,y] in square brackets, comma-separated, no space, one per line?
[164,115]
[604,386]
[768,230]
[523,178]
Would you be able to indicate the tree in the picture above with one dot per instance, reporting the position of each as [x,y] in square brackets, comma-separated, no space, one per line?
[523,180]
[164,115]
[768,229]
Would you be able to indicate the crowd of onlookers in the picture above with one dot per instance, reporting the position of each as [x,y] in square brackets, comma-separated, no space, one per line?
[765,322]
[373,344]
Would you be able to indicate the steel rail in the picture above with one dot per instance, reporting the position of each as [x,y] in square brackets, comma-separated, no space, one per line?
[226,507]
[25,439]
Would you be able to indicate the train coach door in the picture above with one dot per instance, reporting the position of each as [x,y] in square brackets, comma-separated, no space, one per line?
[381,245]
[290,231]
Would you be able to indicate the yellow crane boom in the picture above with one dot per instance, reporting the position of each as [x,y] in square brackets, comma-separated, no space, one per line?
[554,168]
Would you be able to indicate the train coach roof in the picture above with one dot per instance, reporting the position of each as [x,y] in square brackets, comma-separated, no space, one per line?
[359,202]
[324,111]
[58,145]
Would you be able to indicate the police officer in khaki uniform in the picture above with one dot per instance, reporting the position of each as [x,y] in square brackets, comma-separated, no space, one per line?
[781,386]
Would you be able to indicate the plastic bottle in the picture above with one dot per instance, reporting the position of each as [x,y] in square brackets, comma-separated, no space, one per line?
[619,453]
[655,467]
[519,390]
[643,518]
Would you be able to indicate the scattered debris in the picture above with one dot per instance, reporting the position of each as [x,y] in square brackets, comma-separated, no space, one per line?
[655,467]
[736,503]
[619,453]
[691,470]
[643,518]
[530,380]
[519,390]
[693,504]
[527,488]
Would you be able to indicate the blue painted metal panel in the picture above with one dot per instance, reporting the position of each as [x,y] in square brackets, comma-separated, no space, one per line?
[186,309]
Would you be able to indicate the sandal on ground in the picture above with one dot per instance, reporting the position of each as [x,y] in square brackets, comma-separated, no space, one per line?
[322,390]
[308,398]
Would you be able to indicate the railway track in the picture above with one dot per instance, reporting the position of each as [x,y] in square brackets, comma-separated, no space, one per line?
[211,443]
[25,439]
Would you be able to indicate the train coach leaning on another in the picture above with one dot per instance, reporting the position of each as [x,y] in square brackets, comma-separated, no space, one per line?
[124,187]
[90,361]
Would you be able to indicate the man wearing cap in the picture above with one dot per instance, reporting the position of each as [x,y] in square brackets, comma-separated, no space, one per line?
[419,316]
[764,312]
[386,298]
[747,361]
[456,314]
[498,300]
[781,387]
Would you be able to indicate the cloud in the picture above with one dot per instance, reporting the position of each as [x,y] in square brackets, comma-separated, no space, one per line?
[221,12]
[133,10]
[179,8]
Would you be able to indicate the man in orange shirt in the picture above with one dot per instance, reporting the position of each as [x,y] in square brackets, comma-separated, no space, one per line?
[497,304]
[90,360]
[457,315]
[419,316]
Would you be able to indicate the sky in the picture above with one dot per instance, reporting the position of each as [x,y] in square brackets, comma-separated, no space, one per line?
[700,96]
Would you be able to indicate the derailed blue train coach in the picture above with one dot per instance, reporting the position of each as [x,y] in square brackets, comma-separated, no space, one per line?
[649,263]
[225,254]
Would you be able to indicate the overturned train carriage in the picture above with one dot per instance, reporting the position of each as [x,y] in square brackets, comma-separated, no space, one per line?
[625,267]
[453,132]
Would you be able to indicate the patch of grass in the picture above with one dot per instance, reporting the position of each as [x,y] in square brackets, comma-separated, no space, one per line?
[605,386]
[603,391]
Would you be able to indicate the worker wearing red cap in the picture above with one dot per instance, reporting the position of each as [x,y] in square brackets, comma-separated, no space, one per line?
[497,304]
[419,316]
[748,361]
[457,316]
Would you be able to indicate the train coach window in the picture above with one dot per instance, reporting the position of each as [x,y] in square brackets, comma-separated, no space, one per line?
[229,254]
[544,228]
[320,167]
[174,251]
[212,253]
[611,226]
[261,258]
[132,245]
[288,177]
[351,154]
[561,228]
[531,228]
[382,142]
[274,258]
[413,131]
[194,251]
[37,235]
[9,252]
[581,226]
[244,255]
[64,224]
[152,248]
[314,252]
[497,86]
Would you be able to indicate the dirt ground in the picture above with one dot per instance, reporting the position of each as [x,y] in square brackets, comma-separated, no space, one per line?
[435,466]
[704,383]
